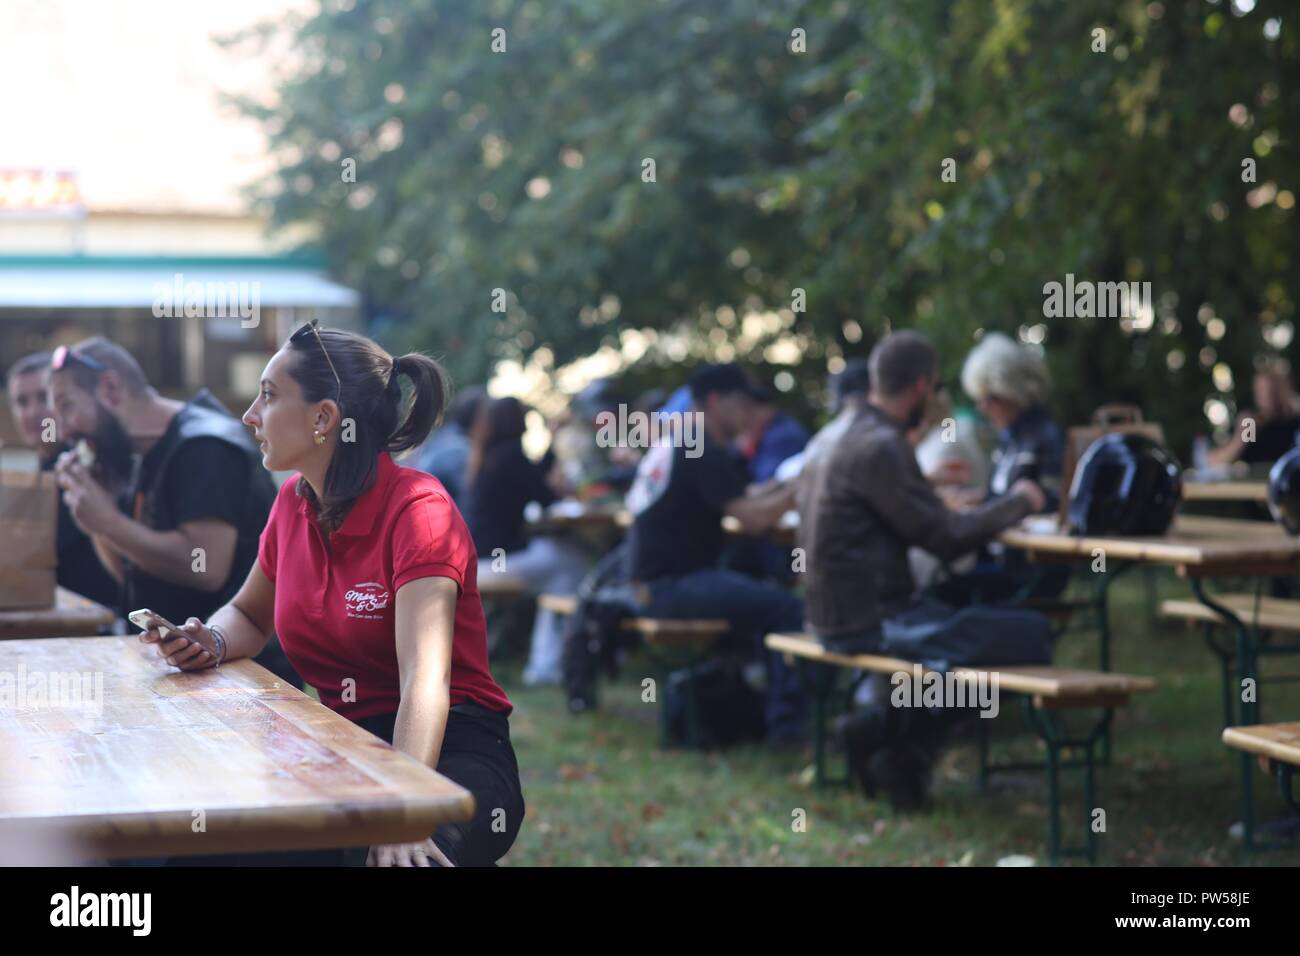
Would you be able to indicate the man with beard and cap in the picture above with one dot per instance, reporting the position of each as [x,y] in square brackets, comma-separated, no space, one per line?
[862,505]
[79,568]
[683,488]
[188,474]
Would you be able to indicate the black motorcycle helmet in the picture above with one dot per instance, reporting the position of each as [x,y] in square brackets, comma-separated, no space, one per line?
[1125,484]
[1284,491]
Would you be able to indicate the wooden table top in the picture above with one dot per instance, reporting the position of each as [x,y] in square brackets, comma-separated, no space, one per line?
[786,531]
[1243,490]
[1195,544]
[71,615]
[1278,741]
[152,752]
[567,515]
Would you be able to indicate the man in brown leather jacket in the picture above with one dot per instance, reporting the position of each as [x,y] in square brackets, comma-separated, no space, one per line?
[862,505]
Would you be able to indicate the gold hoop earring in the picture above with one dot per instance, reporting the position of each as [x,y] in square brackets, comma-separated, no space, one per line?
[320,439]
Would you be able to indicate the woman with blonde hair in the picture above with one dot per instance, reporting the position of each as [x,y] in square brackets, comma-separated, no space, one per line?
[1010,385]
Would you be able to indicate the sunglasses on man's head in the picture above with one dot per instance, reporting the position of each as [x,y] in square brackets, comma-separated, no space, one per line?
[312,328]
[64,355]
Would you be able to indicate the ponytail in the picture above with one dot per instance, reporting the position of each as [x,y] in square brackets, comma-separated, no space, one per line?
[428,399]
[366,382]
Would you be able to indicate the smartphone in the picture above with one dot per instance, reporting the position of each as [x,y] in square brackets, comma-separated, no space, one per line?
[145,619]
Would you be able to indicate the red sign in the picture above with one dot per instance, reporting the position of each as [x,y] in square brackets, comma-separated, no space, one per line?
[39,192]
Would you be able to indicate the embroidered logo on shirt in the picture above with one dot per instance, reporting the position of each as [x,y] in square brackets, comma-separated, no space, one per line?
[363,600]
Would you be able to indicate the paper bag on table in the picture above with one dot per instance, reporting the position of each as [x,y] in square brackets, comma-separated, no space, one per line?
[29,516]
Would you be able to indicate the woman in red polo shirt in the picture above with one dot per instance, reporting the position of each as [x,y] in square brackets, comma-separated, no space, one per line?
[369,576]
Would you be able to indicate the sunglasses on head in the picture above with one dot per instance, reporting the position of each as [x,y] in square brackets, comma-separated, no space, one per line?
[312,328]
[64,355]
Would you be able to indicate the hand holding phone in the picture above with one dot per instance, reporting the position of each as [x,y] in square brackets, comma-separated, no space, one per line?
[147,620]
[189,647]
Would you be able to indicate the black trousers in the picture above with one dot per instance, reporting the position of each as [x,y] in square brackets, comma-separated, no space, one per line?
[477,754]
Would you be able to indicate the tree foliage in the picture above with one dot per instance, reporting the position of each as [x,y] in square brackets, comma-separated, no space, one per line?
[775,170]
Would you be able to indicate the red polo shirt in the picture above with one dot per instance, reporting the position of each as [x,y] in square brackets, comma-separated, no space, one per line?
[334,605]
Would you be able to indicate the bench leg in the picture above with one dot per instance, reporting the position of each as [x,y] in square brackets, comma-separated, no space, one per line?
[1246,669]
[1053,804]
[1225,670]
[1103,635]
[1055,739]
[1248,651]
[1285,780]
[982,734]
[819,740]
[819,682]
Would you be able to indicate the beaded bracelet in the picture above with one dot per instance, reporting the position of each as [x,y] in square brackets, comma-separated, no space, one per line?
[220,638]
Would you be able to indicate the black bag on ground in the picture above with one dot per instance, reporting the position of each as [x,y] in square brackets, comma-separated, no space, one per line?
[941,637]
[728,711]
[593,631]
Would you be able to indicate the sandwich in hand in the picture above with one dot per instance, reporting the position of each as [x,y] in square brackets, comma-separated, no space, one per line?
[85,454]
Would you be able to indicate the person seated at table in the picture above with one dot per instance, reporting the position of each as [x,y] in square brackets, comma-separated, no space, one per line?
[196,499]
[78,567]
[950,451]
[367,571]
[1010,386]
[846,395]
[953,460]
[683,488]
[584,443]
[1274,422]
[500,482]
[446,453]
[772,437]
[624,458]
[862,506]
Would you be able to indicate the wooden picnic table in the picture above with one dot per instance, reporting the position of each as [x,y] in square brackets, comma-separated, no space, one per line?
[1277,745]
[784,532]
[150,751]
[1279,742]
[71,614]
[579,515]
[1229,490]
[1196,545]
[1198,548]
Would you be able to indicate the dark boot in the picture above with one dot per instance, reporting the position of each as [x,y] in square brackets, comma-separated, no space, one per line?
[859,735]
[903,771]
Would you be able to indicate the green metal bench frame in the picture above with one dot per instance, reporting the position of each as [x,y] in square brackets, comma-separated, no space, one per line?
[1049,728]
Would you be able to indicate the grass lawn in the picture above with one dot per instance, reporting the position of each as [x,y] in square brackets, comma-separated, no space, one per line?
[599,791]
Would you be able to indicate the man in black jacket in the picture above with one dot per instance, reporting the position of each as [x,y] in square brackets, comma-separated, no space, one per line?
[78,567]
[195,494]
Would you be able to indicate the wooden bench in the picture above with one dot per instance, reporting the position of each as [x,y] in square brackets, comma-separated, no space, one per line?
[501,587]
[1266,613]
[692,637]
[655,630]
[1278,745]
[1045,691]
[1259,613]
